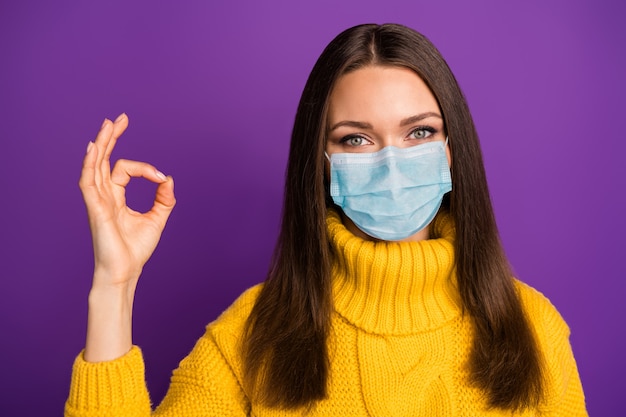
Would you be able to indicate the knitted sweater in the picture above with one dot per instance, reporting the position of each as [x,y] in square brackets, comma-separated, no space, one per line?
[399,346]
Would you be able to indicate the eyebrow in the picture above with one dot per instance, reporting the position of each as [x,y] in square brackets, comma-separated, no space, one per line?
[403,122]
[417,118]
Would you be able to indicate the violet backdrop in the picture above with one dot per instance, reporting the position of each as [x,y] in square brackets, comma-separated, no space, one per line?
[211,90]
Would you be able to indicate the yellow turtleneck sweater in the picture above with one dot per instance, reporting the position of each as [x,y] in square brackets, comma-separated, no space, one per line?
[399,346]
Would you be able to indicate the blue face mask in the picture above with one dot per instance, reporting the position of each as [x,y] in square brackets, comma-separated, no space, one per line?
[393,193]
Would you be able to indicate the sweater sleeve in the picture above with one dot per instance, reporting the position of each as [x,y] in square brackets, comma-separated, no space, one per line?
[564,393]
[206,382]
[113,388]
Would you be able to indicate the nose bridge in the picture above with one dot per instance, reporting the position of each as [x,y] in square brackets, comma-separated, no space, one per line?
[391,137]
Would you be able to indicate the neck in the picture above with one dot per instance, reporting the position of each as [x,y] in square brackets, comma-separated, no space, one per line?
[394,287]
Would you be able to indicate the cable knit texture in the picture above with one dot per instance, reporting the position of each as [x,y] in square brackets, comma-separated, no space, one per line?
[399,346]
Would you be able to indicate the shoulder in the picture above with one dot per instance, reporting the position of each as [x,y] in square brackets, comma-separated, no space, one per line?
[219,346]
[233,319]
[541,313]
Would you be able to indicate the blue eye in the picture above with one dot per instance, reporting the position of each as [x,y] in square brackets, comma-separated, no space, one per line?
[422,132]
[354,140]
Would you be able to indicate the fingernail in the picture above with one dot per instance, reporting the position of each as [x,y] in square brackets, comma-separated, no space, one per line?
[89,146]
[120,117]
[161,175]
[104,122]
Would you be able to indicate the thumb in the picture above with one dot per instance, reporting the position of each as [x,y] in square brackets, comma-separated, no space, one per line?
[164,201]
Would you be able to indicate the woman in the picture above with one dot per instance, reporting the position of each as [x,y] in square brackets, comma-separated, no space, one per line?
[389,292]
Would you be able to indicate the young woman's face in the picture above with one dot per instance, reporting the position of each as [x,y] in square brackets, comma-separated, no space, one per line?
[378,106]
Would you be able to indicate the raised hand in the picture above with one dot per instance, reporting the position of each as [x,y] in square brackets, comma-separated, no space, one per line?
[123,239]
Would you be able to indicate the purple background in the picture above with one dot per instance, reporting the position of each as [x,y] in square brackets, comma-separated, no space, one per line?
[211,90]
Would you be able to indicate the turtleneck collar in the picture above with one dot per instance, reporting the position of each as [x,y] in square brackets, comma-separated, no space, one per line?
[394,287]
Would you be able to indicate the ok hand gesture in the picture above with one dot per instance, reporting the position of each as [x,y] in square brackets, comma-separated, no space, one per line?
[123,239]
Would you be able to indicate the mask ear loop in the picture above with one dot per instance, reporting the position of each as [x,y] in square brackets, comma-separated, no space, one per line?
[450,160]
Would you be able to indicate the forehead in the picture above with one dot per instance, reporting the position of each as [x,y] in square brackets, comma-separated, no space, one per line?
[380,92]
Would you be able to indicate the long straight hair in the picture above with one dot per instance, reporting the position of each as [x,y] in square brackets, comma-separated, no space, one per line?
[284,348]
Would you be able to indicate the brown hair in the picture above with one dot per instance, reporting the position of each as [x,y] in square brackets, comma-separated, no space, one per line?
[285,350]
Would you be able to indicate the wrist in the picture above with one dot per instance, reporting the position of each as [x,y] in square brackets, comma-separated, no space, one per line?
[109,324]
[116,299]
[112,280]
